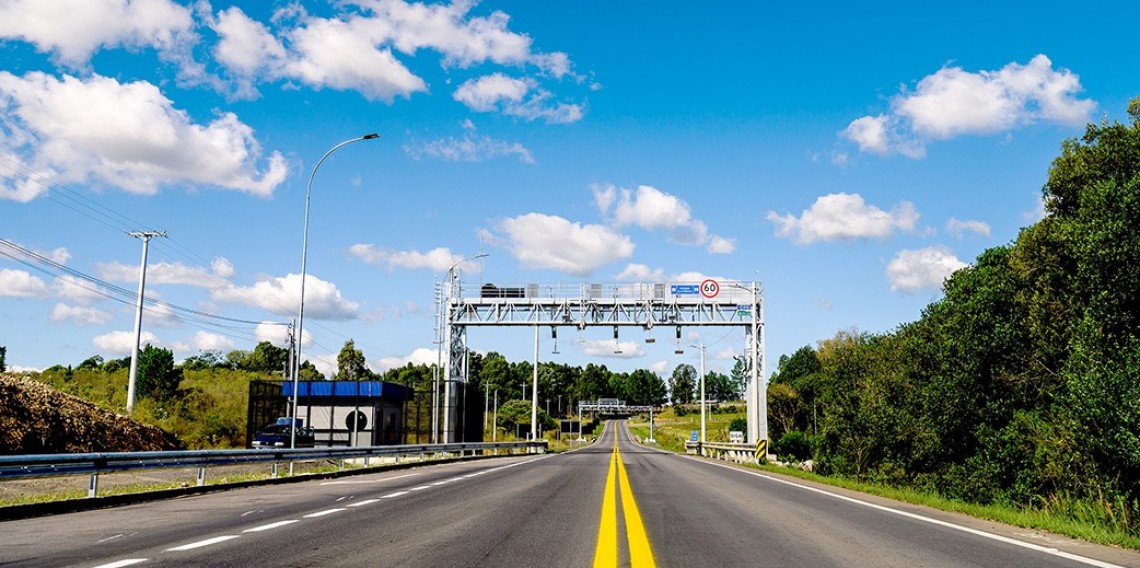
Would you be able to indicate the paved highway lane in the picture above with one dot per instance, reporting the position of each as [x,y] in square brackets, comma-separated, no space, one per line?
[613,503]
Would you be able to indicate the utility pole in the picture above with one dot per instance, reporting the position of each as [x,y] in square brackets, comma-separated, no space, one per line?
[133,377]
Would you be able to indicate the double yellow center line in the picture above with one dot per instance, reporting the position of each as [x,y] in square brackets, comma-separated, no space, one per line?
[606,553]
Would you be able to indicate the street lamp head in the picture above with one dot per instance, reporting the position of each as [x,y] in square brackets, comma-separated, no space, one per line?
[371,136]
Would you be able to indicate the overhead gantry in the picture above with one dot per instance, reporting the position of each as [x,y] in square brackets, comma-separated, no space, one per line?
[711,303]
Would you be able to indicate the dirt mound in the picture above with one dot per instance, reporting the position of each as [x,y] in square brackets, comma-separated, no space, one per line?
[37,419]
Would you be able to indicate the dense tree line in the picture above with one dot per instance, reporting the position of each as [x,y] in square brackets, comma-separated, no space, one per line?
[1022,383]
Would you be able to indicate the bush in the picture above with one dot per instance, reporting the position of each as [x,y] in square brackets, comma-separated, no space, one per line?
[738,424]
[792,446]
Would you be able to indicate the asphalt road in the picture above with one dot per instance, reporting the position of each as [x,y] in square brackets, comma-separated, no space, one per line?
[613,503]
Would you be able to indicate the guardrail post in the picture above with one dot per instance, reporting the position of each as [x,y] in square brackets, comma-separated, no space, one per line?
[201,476]
[342,465]
[367,460]
[93,486]
[274,470]
[290,469]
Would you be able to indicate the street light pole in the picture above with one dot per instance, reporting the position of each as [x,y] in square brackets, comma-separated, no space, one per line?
[304,261]
[445,321]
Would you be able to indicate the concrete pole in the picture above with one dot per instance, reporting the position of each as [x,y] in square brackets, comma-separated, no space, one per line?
[133,375]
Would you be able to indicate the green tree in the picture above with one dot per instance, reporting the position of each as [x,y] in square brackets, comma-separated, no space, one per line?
[92,362]
[721,387]
[157,378]
[3,359]
[350,364]
[208,359]
[267,358]
[644,387]
[682,383]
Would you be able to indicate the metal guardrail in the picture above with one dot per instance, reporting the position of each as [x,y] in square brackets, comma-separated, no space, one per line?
[729,451]
[94,464]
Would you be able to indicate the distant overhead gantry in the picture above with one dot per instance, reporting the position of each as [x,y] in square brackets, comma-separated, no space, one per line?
[710,302]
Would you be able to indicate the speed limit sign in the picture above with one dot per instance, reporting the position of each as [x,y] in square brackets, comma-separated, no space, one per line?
[710,288]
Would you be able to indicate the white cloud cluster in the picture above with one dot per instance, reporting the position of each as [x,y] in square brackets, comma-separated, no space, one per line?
[470,148]
[311,50]
[128,135]
[844,217]
[122,342]
[79,315]
[278,335]
[635,272]
[170,273]
[959,228]
[550,242]
[515,97]
[437,259]
[280,296]
[418,356]
[916,270]
[611,348]
[652,209]
[21,284]
[72,30]
[953,102]
[206,341]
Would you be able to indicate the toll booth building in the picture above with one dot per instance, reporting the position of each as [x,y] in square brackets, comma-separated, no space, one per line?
[341,413]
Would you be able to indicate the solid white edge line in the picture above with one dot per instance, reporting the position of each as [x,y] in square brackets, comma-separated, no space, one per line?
[933,521]
[323,513]
[364,502]
[202,543]
[396,494]
[270,526]
[122,563]
[420,488]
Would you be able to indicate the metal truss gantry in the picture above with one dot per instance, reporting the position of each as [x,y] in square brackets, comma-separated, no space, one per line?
[710,303]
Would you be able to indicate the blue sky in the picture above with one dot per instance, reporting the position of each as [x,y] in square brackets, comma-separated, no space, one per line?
[847,157]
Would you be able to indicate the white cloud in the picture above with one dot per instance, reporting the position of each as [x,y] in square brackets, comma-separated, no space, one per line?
[959,228]
[419,356]
[128,135]
[170,273]
[281,295]
[641,273]
[470,148]
[915,270]
[356,51]
[76,290]
[486,93]
[437,259]
[610,348]
[953,102]
[21,284]
[278,335]
[79,315]
[122,342]
[870,134]
[652,209]
[549,242]
[206,341]
[515,97]
[842,216]
[72,30]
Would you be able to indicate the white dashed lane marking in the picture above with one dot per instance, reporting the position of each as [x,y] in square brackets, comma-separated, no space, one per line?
[270,526]
[202,543]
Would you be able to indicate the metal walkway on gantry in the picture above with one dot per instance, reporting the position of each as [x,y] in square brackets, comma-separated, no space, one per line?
[718,303]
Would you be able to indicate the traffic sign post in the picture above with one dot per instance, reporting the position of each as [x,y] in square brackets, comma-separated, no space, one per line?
[710,288]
